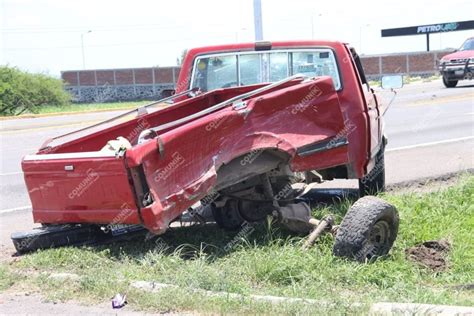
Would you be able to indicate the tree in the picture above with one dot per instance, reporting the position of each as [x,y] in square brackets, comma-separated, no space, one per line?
[25,92]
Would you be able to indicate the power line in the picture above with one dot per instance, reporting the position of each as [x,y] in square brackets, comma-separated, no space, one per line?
[75,29]
[100,45]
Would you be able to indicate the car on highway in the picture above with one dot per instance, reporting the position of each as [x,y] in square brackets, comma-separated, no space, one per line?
[458,65]
[248,122]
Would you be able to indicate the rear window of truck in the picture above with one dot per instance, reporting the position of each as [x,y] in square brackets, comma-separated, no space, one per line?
[246,68]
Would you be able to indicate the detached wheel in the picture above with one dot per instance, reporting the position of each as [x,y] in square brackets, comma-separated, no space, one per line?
[449,83]
[374,182]
[228,216]
[368,230]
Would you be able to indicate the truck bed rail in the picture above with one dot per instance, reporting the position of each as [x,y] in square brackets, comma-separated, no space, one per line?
[45,144]
[225,103]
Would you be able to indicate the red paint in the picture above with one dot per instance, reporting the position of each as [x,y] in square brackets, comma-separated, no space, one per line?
[462,54]
[96,191]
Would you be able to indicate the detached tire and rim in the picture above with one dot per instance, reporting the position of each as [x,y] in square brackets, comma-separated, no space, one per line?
[374,182]
[368,230]
[449,83]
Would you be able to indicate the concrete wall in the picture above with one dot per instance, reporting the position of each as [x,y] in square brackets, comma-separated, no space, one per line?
[107,85]
[148,83]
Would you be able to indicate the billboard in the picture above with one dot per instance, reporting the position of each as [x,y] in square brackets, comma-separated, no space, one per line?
[429,28]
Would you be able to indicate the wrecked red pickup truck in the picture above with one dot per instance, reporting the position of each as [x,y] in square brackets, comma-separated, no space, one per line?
[249,122]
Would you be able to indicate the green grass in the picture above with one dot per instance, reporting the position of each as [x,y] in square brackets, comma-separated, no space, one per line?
[410,79]
[270,262]
[86,107]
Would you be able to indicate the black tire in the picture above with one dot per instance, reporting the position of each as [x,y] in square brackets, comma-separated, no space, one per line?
[228,216]
[449,83]
[368,230]
[374,182]
[253,211]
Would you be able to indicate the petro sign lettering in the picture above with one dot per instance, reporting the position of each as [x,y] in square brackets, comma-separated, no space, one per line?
[447,27]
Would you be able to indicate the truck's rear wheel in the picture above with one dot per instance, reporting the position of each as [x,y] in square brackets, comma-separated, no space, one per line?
[368,230]
[449,83]
[374,182]
[228,216]
[236,211]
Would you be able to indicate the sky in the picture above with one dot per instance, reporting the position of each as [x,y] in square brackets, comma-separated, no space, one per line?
[45,35]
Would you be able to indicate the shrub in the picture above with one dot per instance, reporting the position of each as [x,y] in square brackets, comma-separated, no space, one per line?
[25,92]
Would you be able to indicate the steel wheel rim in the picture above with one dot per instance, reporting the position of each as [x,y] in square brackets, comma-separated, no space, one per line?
[378,239]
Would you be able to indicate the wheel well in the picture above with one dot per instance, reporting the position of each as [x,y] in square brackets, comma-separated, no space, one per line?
[250,165]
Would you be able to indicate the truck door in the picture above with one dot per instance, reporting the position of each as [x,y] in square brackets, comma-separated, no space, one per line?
[373,108]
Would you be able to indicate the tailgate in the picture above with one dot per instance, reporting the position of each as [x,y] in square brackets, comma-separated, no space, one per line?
[86,187]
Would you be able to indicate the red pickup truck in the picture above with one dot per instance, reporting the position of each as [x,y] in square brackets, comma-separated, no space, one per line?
[458,65]
[247,122]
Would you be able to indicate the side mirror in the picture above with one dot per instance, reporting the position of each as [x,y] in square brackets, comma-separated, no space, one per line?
[392,82]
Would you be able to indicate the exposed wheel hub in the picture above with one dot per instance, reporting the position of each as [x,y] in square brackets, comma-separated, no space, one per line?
[378,239]
[254,211]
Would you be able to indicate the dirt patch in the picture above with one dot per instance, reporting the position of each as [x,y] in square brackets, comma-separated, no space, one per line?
[429,184]
[7,254]
[430,254]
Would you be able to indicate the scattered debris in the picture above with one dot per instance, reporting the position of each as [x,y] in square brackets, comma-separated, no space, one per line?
[119,300]
[325,224]
[430,254]
[463,287]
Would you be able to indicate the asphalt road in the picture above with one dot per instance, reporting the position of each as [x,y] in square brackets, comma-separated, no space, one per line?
[430,130]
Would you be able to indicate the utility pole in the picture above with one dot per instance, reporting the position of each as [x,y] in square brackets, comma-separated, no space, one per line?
[82,49]
[257,19]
